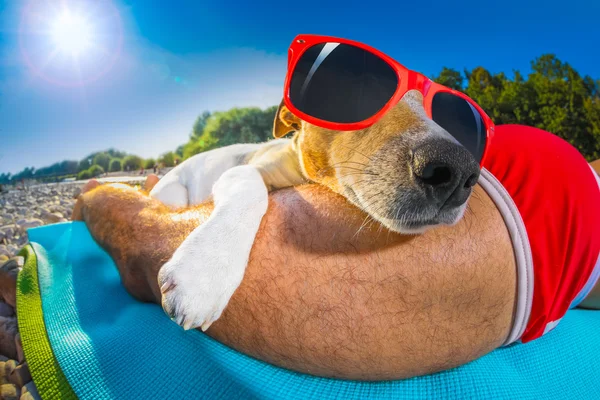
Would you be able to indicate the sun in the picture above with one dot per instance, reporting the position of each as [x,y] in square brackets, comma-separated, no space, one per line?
[70,43]
[72,33]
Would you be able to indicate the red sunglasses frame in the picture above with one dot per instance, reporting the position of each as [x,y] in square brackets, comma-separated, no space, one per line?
[407,80]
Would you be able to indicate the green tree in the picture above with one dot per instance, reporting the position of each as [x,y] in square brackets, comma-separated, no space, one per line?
[55,170]
[149,163]
[238,125]
[95,170]
[116,153]
[451,78]
[563,103]
[132,163]
[27,173]
[195,146]
[553,97]
[200,124]
[62,169]
[591,108]
[115,165]
[103,160]
[87,161]
[5,178]
[168,159]
[84,164]
[83,175]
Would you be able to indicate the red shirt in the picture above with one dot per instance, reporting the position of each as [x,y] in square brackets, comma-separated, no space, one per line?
[557,196]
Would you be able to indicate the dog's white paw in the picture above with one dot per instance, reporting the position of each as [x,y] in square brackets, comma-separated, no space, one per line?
[198,281]
[197,286]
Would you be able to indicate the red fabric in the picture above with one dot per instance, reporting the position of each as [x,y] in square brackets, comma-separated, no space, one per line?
[558,198]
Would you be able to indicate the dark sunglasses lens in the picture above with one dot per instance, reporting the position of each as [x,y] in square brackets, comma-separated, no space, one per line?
[462,120]
[341,83]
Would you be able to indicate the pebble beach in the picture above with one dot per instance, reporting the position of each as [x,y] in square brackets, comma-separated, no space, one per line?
[21,209]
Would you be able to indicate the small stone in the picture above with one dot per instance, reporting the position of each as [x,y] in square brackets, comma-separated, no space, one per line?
[9,367]
[3,258]
[13,265]
[54,208]
[8,230]
[29,223]
[6,310]
[12,249]
[20,375]
[19,347]
[9,392]
[51,218]
[3,359]
[31,391]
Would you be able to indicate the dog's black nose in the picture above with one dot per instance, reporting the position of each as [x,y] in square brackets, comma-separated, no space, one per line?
[447,171]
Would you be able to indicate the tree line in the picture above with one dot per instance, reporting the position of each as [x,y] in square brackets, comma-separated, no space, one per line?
[553,97]
[91,166]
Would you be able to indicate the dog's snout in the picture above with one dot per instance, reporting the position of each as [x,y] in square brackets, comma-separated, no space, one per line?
[447,172]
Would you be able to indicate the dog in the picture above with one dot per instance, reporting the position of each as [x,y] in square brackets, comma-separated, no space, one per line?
[405,172]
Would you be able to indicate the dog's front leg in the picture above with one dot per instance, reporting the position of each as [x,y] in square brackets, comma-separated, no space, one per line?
[198,281]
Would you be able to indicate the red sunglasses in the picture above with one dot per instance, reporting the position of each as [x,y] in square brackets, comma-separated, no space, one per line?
[345,85]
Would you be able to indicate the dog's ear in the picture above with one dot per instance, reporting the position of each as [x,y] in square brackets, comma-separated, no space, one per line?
[285,122]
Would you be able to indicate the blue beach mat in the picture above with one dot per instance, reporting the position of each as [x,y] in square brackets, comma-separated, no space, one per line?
[85,337]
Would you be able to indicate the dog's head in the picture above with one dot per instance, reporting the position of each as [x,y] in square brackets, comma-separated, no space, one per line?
[405,171]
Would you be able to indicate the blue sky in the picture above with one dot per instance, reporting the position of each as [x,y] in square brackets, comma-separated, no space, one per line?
[179,58]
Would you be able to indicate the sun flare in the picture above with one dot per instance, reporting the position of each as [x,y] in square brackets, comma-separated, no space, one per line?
[71,33]
[70,43]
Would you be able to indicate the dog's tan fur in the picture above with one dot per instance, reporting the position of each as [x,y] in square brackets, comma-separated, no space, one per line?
[370,167]
[322,151]
[374,168]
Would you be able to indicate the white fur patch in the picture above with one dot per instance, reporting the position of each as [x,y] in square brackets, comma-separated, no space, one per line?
[191,182]
[204,272]
[198,281]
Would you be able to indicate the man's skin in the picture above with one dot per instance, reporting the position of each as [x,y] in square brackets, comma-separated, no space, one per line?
[324,297]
